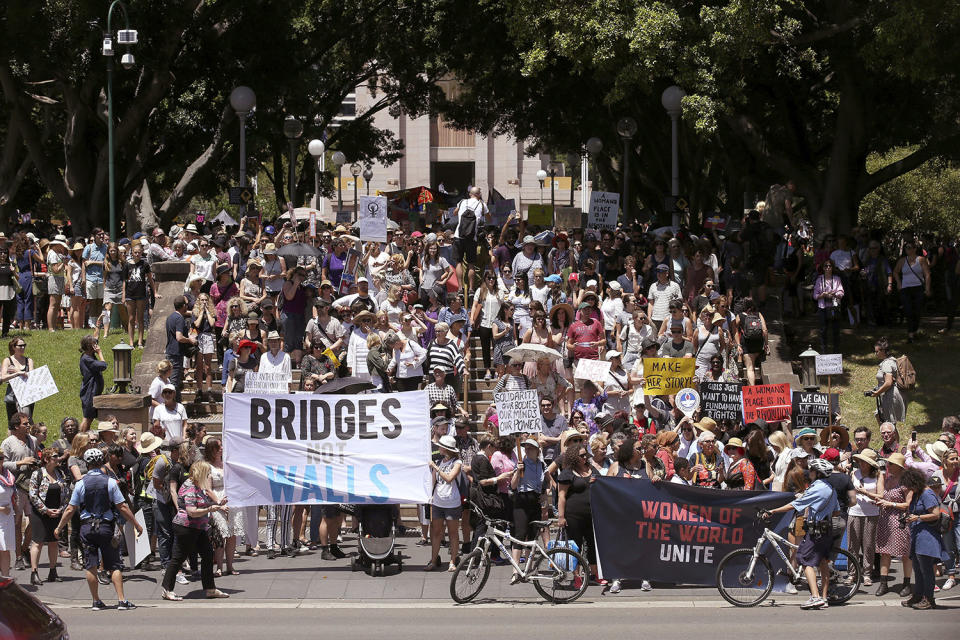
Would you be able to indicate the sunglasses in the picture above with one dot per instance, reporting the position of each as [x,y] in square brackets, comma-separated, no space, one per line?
[583,456]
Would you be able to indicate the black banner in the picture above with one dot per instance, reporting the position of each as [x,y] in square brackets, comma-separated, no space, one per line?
[721,400]
[812,409]
[674,533]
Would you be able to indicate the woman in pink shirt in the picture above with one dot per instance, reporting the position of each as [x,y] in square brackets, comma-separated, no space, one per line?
[504,461]
[828,291]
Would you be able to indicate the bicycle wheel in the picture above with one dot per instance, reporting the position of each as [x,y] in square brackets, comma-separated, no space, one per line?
[846,576]
[563,578]
[736,586]
[470,576]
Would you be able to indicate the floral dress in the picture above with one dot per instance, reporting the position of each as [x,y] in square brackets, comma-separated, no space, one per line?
[892,537]
[230,524]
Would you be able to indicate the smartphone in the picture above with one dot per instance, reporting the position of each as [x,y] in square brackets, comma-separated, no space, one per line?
[913,435]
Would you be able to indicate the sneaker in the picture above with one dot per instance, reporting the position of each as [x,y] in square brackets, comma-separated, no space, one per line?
[488,377]
[182,579]
[103,578]
[812,602]
[20,565]
[337,552]
[645,586]
[792,590]
[125,605]
[326,554]
[823,604]
[949,584]
[600,582]
[614,587]
[98,605]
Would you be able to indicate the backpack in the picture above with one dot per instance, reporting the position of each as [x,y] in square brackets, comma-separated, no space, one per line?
[148,472]
[946,519]
[906,375]
[752,329]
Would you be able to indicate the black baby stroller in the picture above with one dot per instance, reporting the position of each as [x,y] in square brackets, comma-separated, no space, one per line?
[376,540]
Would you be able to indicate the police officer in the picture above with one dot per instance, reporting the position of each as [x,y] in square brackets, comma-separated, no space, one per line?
[820,502]
[98,498]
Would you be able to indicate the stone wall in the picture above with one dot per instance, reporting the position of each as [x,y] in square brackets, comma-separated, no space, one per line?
[170,278]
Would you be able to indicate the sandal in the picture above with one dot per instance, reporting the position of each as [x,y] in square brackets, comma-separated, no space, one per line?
[217,594]
[430,567]
[232,572]
[170,595]
[217,573]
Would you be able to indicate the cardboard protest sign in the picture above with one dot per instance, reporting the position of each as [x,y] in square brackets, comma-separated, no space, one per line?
[666,376]
[518,411]
[829,364]
[591,369]
[540,214]
[604,210]
[568,218]
[770,402]
[372,216]
[721,400]
[266,382]
[38,385]
[814,409]
[500,210]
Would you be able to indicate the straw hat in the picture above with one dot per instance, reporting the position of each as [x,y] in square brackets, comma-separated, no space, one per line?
[570,433]
[936,450]
[869,456]
[76,247]
[561,306]
[148,442]
[707,424]
[839,429]
[667,438]
[898,459]
[733,442]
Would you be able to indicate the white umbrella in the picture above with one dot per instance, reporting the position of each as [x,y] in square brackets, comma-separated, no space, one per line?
[532,352]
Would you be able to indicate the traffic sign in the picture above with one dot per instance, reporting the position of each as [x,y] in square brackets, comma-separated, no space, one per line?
[682,204]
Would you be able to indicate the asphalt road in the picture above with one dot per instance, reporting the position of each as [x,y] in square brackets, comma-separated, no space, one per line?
[596,618]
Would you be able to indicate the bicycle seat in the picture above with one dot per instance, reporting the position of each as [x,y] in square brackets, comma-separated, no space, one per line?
[539,524]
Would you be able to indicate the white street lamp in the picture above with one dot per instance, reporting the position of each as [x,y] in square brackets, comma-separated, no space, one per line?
[541,176]
[316,149]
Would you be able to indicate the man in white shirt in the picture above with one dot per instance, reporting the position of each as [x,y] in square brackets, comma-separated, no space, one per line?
[171,416]
[661,293]
[472,213]
[612,308]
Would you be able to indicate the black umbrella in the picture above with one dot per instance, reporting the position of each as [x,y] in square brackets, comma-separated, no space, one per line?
[347,386]
[298,250]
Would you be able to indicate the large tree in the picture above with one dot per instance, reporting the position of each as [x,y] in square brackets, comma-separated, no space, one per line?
[175,132]
[777,89]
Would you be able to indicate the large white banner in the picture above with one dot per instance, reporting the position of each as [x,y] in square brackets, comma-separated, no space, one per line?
[306,448]
[372,217]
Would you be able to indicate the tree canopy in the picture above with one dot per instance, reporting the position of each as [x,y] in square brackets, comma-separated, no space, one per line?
[777,89]
[175,132]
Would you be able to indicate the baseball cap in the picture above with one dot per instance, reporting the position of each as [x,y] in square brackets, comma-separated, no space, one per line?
[832,454]
[662,267]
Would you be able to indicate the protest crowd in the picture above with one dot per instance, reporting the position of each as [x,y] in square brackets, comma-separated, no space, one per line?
[606,325]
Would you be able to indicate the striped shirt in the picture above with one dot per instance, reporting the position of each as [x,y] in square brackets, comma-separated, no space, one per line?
[447,356]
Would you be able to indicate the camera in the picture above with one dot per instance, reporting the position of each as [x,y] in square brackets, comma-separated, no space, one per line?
[867,394]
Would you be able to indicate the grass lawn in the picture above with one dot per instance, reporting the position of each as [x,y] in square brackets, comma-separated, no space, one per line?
[61,352]
[936,358]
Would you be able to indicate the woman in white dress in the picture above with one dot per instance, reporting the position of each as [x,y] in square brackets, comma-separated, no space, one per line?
[7,523]
[229,524]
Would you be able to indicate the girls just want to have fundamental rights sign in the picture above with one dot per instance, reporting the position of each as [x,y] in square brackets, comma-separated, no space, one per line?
[305,448]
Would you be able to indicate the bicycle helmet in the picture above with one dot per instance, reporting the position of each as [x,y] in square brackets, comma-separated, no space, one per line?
[822,467]
[93,457]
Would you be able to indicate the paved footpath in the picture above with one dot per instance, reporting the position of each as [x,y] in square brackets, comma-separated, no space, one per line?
[306,578]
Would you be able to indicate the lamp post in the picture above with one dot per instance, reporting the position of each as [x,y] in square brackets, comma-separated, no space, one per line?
[541,176]
[594,147]
[125,36]
[122,367]
[554,167]
[293,129]
[355,170]
[316,149]
[242,101]
[339,160]
[672,99]
[367,177]
[572,161]
[626,128]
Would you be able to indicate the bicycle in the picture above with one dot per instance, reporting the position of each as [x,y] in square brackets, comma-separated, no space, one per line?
[745,577]
[560,575]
